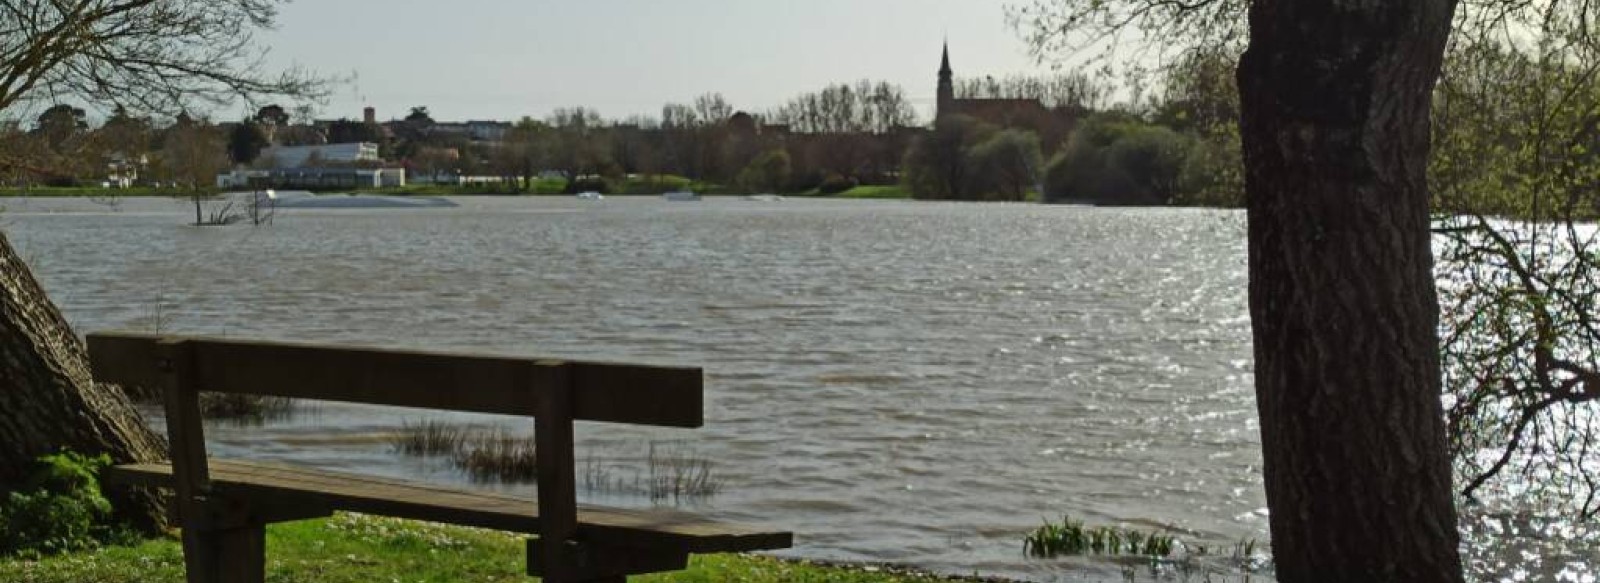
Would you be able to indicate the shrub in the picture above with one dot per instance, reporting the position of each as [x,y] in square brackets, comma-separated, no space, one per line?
[60,508]
[1115,160]
[590,183]
[835,184]
[1004,166]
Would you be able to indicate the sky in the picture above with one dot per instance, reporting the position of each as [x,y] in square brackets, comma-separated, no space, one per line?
[504,59]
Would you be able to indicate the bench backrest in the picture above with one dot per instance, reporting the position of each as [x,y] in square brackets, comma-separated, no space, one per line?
[553,392]
[620,393]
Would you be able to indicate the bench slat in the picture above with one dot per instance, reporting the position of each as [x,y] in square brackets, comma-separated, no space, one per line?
[404,499]
[622,393]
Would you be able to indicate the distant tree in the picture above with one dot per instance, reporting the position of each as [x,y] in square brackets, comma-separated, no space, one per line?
[270,119]
[192,153]
[521,153]
[59,124]
[768,172]
[865,107]
[419,116]
[344,131]
[124,134]
[579,144]
[1006,165]
[1075,90]
[245,142]
[272,115]
[712,109]
[636,145]
[1118,159]
[937,166]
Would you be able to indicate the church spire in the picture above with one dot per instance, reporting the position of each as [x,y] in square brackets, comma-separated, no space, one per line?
[947,87]
[944,63]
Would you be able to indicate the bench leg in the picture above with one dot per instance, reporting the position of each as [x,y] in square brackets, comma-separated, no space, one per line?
[233,555]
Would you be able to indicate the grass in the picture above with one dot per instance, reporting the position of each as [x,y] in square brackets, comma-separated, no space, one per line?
[876,191]
[351,548]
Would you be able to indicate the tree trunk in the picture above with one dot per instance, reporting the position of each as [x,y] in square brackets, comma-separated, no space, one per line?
[49,402]
[1335,95]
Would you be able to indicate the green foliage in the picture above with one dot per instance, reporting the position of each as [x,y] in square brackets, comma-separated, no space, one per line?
[1006,165]
[1071,537]
[59,509]
[1115,159]
[656,184]
[768,172]
[937,166]
[1516,130]
[1213,172]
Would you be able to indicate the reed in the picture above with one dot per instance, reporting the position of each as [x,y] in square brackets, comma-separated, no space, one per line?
[239,407]
[678,474]
[498,456]
[429,437]
[1071,537]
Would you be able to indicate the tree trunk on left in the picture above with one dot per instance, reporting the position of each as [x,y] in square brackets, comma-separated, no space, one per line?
[48,401]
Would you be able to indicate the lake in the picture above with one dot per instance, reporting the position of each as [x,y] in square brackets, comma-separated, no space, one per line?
[918,383]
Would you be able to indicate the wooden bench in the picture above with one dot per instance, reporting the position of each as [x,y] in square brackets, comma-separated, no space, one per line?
[223,506]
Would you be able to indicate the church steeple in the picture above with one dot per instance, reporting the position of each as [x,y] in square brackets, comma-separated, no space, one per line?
[947,89]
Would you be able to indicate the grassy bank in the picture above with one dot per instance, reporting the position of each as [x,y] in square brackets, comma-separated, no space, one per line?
[88,191]
[633,185]
[352,548]
[886,191]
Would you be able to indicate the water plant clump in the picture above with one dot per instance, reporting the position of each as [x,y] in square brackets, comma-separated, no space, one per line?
[428,437]
[1071,537]
[242,407]
[667,472]
[499,456]
[677,474]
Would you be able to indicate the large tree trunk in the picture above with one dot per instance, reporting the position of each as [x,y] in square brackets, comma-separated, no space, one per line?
[1335,95]
[49,402]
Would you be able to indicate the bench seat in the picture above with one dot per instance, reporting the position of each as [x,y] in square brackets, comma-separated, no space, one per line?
[318,492]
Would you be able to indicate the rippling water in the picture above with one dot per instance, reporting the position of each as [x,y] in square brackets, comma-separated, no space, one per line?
[919,383]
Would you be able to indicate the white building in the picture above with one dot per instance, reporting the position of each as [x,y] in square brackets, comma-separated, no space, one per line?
[297,156]
[313,178]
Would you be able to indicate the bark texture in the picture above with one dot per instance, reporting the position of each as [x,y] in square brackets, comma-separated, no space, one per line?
[1336,95]
[48,400]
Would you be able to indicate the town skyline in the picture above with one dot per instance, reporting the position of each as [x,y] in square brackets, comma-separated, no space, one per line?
[507,67]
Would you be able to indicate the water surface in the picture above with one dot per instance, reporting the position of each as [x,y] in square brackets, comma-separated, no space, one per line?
[919,383]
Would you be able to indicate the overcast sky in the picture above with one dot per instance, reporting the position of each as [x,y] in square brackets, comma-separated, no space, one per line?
[503,59]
